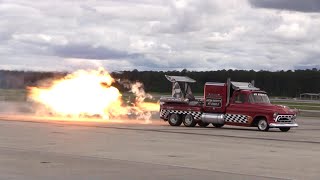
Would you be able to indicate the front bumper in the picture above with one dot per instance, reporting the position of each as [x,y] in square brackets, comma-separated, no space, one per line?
[279,125]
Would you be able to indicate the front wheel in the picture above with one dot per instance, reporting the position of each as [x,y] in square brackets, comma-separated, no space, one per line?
[284,129]
[189,121]
[263,125]
[175,120]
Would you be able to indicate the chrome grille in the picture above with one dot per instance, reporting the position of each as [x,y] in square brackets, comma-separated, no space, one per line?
[284,118]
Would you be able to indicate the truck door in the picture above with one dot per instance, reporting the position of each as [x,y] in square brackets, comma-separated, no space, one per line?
[239,108]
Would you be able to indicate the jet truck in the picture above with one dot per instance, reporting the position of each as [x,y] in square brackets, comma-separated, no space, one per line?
[230,103]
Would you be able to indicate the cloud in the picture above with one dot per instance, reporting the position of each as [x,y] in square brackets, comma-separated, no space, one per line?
[91,52]
[158,35]
[293,5]
[227,36]
[290,31]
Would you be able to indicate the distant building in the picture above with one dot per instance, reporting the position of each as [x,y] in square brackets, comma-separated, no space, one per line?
[310,96]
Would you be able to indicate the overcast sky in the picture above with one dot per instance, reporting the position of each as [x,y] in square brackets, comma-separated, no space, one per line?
[119,35]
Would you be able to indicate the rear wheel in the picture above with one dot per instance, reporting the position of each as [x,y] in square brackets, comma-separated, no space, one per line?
[175,120]
[189,121]
[284,129]
[263,125]
[203,124]
[217,125]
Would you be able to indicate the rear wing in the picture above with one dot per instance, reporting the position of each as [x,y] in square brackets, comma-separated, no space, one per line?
[180,87]
[180,79]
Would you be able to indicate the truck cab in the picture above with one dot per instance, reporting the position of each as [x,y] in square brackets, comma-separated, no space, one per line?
[260,112]
[230,103]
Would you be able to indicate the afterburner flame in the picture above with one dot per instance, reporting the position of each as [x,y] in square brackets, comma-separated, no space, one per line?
[90,93]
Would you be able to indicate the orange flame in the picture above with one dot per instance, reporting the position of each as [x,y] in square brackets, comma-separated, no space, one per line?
[90,93]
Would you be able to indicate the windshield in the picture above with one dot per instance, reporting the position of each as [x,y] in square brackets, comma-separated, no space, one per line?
[259,98]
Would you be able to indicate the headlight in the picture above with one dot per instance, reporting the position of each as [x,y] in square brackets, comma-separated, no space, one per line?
[294,116]
[275,114]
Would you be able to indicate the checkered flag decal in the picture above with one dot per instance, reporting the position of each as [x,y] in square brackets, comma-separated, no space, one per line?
[237,118]
[164,113]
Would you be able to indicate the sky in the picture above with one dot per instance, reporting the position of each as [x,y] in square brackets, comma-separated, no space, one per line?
[197,35]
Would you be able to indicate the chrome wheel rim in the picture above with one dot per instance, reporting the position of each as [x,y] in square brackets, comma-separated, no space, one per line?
[173,119]
[262,125]
[188,119]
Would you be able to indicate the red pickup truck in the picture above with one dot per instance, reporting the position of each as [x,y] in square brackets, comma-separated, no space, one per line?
[231,103]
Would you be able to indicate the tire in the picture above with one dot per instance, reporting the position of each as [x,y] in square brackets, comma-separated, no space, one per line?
[263,125]
[175,120]
[203,124]
[284,129]
[189,121]
[218,125]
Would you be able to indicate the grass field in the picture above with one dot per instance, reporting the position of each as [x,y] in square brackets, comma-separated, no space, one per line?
[12,95]
[305,105]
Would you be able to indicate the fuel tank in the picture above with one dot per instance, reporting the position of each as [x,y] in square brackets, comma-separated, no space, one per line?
[212,118]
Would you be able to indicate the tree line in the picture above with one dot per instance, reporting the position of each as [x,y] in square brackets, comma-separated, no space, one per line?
[279,83]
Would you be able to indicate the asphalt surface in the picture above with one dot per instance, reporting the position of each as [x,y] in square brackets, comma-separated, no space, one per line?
[39,148]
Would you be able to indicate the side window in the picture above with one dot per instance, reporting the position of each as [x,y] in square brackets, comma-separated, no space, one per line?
[240,98]
[251,98]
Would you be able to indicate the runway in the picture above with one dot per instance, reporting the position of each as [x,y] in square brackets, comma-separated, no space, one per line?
[36,148]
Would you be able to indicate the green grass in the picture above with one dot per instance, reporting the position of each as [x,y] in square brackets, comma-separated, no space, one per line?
[305,108]
[297,103]
[12,94]
[300,105]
